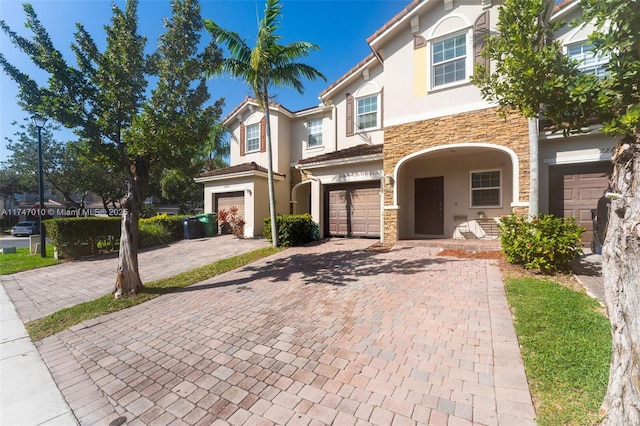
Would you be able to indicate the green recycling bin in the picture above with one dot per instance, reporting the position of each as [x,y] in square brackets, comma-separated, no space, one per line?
[208,224]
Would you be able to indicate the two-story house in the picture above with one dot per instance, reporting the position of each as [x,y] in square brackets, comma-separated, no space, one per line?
[403,146]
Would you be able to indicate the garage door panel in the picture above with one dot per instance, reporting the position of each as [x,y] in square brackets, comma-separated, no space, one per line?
[354,210]
[575,189]
[232,199]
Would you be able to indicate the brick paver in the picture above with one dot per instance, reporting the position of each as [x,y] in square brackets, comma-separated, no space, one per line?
[40,292]
[313,335]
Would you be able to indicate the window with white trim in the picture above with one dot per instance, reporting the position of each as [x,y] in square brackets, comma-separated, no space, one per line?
[253,138]
[590,61]
[367,113]
[449,60]
[486,188]
[314,133]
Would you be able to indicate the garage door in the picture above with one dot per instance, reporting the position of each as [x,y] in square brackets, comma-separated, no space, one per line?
[227,200]
[353,210]
[575,189]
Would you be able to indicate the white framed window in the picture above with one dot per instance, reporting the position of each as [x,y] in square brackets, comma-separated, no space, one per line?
[367,113]
[253,138]
[314,133]
[449,60]
[590,61]
[486,188]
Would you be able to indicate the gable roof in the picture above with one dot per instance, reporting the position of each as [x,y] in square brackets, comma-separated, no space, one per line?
[373,151]
[249,101]
[233,171]
[346,77]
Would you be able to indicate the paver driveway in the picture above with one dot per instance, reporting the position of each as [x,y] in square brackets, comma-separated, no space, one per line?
[327,334]
[40,292]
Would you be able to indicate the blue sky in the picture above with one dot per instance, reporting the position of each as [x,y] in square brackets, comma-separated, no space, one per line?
[339,27]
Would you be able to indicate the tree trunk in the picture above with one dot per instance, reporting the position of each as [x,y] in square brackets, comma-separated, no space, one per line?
[621,270]
[272,194]
[534,136]
[128,277]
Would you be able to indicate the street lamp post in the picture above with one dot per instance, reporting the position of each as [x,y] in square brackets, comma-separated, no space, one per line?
[39,122]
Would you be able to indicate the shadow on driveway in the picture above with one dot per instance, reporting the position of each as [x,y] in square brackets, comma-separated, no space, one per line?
[336,268]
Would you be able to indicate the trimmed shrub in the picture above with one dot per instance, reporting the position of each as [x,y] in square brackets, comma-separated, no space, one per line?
[293,230]
[172,224]
[153,234]
[547,243]
[83,236]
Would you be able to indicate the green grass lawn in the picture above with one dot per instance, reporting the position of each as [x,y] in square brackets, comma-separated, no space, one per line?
[61,320]
[566,348]
[22,260]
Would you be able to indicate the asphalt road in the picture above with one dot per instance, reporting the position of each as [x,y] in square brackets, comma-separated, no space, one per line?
[16,242]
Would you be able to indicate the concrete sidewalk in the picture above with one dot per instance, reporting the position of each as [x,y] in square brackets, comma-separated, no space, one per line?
[324,334]
[28,394]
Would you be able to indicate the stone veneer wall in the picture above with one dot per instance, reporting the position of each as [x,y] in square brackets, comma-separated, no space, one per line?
[484,126]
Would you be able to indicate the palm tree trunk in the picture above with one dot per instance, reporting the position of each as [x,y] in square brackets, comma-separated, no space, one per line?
[534,136]
[621,271]
[272,194]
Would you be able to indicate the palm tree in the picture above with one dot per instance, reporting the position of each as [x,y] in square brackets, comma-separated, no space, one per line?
[268,64]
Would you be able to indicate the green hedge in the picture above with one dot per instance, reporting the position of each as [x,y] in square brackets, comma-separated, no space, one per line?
[173,224]
[83,236]
[293,230]
[546,243]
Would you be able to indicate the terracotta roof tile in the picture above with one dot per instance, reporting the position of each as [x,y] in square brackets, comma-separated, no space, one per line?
[348,74]
[355,151]
[250,99]
[240,168]
[395,19]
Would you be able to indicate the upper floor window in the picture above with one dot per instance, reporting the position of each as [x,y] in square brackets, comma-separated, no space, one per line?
[314,132]
[486,189]
[253,138]
[367,113]
[590,61]
[449,60]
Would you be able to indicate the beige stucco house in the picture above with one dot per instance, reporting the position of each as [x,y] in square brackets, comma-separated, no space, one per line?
[403,146]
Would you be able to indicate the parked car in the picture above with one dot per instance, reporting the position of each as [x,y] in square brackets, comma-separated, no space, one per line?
[29,227]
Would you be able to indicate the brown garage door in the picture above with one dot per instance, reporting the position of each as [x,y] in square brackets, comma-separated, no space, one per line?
[353,210]
[574,189]
[227,200]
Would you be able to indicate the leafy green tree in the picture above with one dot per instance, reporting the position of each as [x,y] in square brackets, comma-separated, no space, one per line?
[617,35]
[11,183]
[60,169]
[177,188]
[528,71]
[269,64]
[104,99]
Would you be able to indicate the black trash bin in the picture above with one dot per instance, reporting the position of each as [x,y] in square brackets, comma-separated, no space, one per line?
[191,228]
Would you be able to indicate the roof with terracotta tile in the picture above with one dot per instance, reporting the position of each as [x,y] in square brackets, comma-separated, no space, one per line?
[346,75]
[395,19]
[354,151]
[249,99]
[240,168]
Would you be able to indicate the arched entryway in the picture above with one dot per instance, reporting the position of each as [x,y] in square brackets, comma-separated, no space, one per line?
[447,191]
